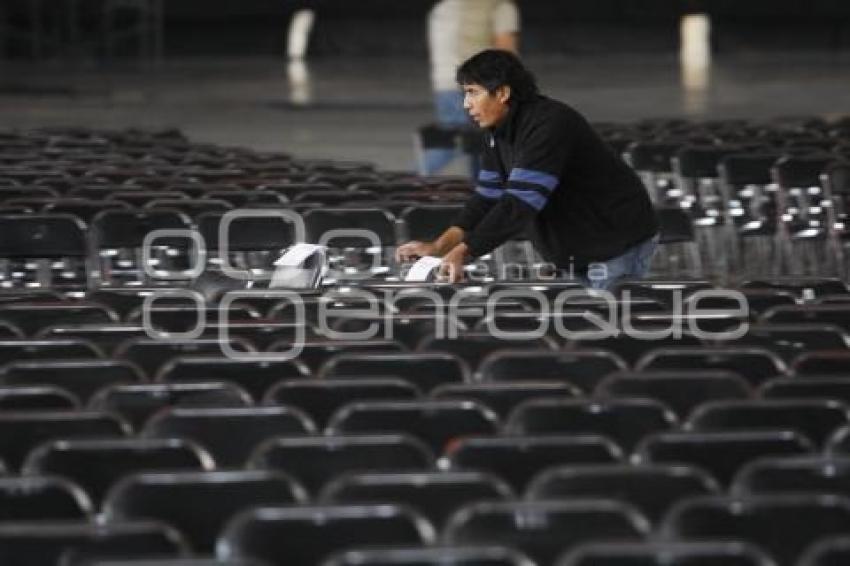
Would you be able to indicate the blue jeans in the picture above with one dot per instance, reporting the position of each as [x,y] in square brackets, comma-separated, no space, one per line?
[450,112]
[634,263]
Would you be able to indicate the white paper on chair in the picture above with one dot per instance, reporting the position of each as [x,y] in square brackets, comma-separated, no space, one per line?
[420,270]
[298,254]
[290,271]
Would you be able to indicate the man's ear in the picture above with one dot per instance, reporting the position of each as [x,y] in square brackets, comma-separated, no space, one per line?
[503,94]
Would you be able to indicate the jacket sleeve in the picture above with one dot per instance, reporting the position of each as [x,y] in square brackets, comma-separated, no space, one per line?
[488,190]
[541,154]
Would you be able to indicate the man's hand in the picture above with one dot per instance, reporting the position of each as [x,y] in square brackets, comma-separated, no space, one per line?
[451,270]
[414,250]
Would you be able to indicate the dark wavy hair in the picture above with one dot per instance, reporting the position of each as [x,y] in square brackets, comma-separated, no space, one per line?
[493,68]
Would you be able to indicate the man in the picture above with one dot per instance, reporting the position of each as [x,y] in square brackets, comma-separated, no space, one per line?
[546,175]
[457,29]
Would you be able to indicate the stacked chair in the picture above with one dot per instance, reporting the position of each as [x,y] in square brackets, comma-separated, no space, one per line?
[163,404]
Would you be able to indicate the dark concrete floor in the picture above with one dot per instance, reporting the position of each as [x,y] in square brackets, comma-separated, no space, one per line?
[367,108]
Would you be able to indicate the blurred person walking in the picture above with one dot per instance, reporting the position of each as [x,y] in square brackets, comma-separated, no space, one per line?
[458,29]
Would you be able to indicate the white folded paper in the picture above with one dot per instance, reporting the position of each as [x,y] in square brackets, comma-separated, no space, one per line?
[421,270]
[302,267]
[297,254]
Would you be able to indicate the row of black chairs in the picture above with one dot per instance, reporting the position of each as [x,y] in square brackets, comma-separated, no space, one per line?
[781,504]
[758,194]
[732,207]
[695,449]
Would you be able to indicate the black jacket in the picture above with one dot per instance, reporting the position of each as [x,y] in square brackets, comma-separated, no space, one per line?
[546,175]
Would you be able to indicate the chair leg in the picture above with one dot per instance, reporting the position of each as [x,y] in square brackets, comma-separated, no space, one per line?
[713,250]
[731,246]
[837,252]
[695,260]
[43,273]
[758,255]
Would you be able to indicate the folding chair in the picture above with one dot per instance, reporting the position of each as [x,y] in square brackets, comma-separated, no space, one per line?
[791,339]
[34,427]
[503,397]
[756,365]
[316,460]
[320,398]
[784,525]
[256,238]
[814,418]
[136,403]
[43,498]
[802,230]
[517,459]
[230,434]
[437,423]
[833,314]
[255,376]
[721,454]
[425,370]
[152,355]
[803,288]
[360,240]
[625,421]
[697,176]
[33,317]
[836,185]
[836,388]
[583,368]
[172,497]
[436,495]
[24,350]
[118,237]
[313,533]
[545,529]
[36,398]
[721,553]
[44,250]
[821,364]
[55,542]
[679,250]
[747,188]
[473,347]
[653,162]
[680,390]
[652,489]
[96,465]
[788,475]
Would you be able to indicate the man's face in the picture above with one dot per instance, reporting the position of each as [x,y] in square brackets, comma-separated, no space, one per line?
[486,109]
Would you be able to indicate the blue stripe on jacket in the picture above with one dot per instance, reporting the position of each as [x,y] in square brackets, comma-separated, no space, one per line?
[536,177]
[489,176]
[489,193]
[532,198]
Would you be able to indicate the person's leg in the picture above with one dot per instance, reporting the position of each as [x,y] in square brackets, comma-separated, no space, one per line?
[435,160]
[602,275]
[634,263]
[450,112]
[643,257]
